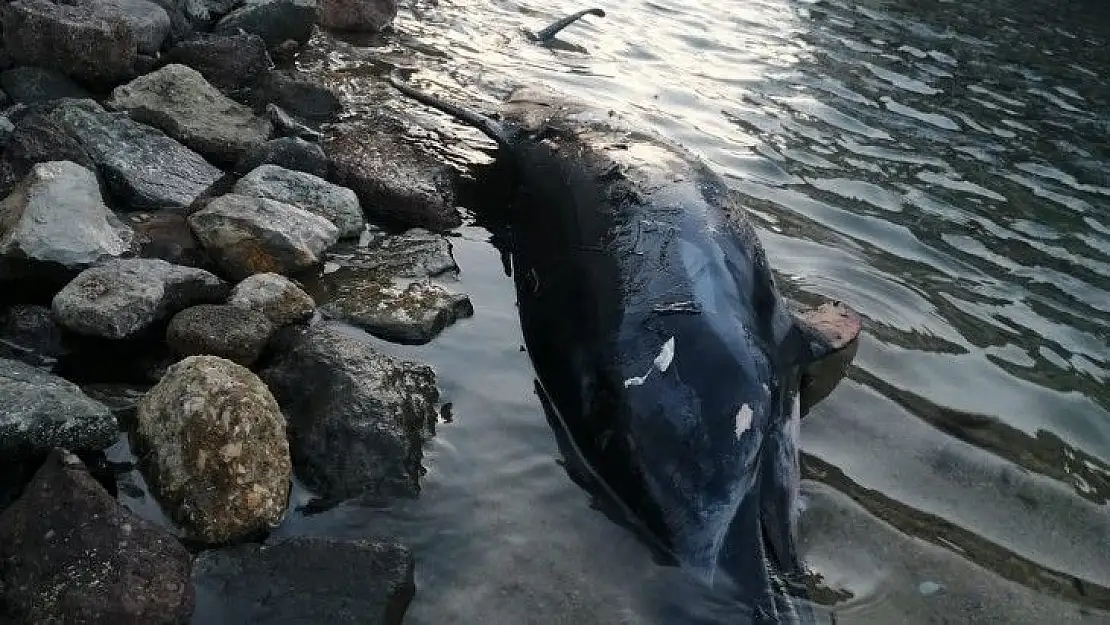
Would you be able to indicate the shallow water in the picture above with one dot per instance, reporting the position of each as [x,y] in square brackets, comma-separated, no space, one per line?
[944,167]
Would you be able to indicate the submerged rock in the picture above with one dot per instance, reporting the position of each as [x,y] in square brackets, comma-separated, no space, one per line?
[230,62]
[275,296]
[237,334]
[316,579]
[414,254]
[178,100]
[30,85]
[215,451]
[121,298]
[357,418]
[167,235]
[248,235]
[357,15]
[29,333]
[69,552]
[273,20]
[39,411]
[288,152]
[337,204]
[56,218]
[412,315]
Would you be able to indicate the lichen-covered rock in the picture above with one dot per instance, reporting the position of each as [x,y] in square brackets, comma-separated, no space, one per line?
[357,418]
[316,581]
[247,235]
[57,218]
[29,333]
[215,450]
[70,553]
[237,334]
[357,15]
[167,235]
[273,20]
[414,314]
[143,167]
[288,152]
[301,94]
[29,85]
[121,298]
[337,204]
[39,411]
[275,296]
[231,61]
[178,100]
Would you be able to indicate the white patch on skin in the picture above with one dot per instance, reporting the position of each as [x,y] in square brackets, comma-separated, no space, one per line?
[743,420]
[662,362]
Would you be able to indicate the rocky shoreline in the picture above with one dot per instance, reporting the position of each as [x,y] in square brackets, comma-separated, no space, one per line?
[183,244]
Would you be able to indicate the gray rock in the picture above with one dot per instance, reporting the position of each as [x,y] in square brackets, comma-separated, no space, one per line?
[237,334]
[302,95]
[70,553]
[411,315]
[287,126]
[121,399]
[121,298]
[248,235]
[56,218]
[144,168]
[288,152]
[30,334]
[178,100]
[275,296]
[273,20]
[396,182]
[357,15]
[29,85]
[230,61]
[312,193]
[167,235]
[203,13]
[91,42]
[39,411]
[6,129]
[149,22]
[316,579]
[415,254]
[357,418]
[214,447]
[38,138]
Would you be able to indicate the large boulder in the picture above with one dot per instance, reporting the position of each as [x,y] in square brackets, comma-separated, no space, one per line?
[413,314]
[288,152]
[56,218]
[231,332]
[144,168]
[37,138]
[275,21]
[275,296]
[214,449]
[148,21]
[122,298]
[337,204]
[231,62]
[322,580]
[30,85]
[39,411]
[248,235]
[357,418]
[178,100]
[70,553]
[357,15]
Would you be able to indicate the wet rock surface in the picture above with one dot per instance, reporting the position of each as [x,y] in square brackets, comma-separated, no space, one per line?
[231,332]
[413,314]
[121,298]
[39,411]
[357,418]
[288,152]
[415,253]
[179,101]
[286,125]
[275,21]
[69,551]
[247,235]
[275,296]
[337,204]
[167,235]
[29,333]
[357,15]
[320,580]
[29,85]
[230,62]
[215,449]
[301,95]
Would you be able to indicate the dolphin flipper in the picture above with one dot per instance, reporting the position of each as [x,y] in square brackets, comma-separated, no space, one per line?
[549,33]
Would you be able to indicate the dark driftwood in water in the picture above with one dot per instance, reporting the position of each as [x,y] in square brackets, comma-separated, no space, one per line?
[549,33]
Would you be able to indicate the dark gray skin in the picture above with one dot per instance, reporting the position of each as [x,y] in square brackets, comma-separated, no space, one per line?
[659,337]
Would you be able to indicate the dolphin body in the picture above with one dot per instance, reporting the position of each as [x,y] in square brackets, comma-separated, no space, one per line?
[659,338]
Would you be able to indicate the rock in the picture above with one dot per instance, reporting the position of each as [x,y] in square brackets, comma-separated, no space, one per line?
[70,553]
[56,218]
[357,418]
[6,129]
[395,182]
[39,411]
[91,42]
[301,95]
[204,13]
[215,449]
[273,20]
[149,22]
[287,126]
[121,298]
[311,193]
[178,100]
[39,138]
[412,315]
[275,296]
[30,334]
[248,235]
[230,62]
[29,85]
[167,235]
[144,168]
[285,52]
[121,399]
[237,334]
[288,152]
[322,580]
[357,15]
[415,254]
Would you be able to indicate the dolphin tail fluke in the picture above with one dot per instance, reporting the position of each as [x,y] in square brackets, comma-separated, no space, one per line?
[549,33]
[488,126]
